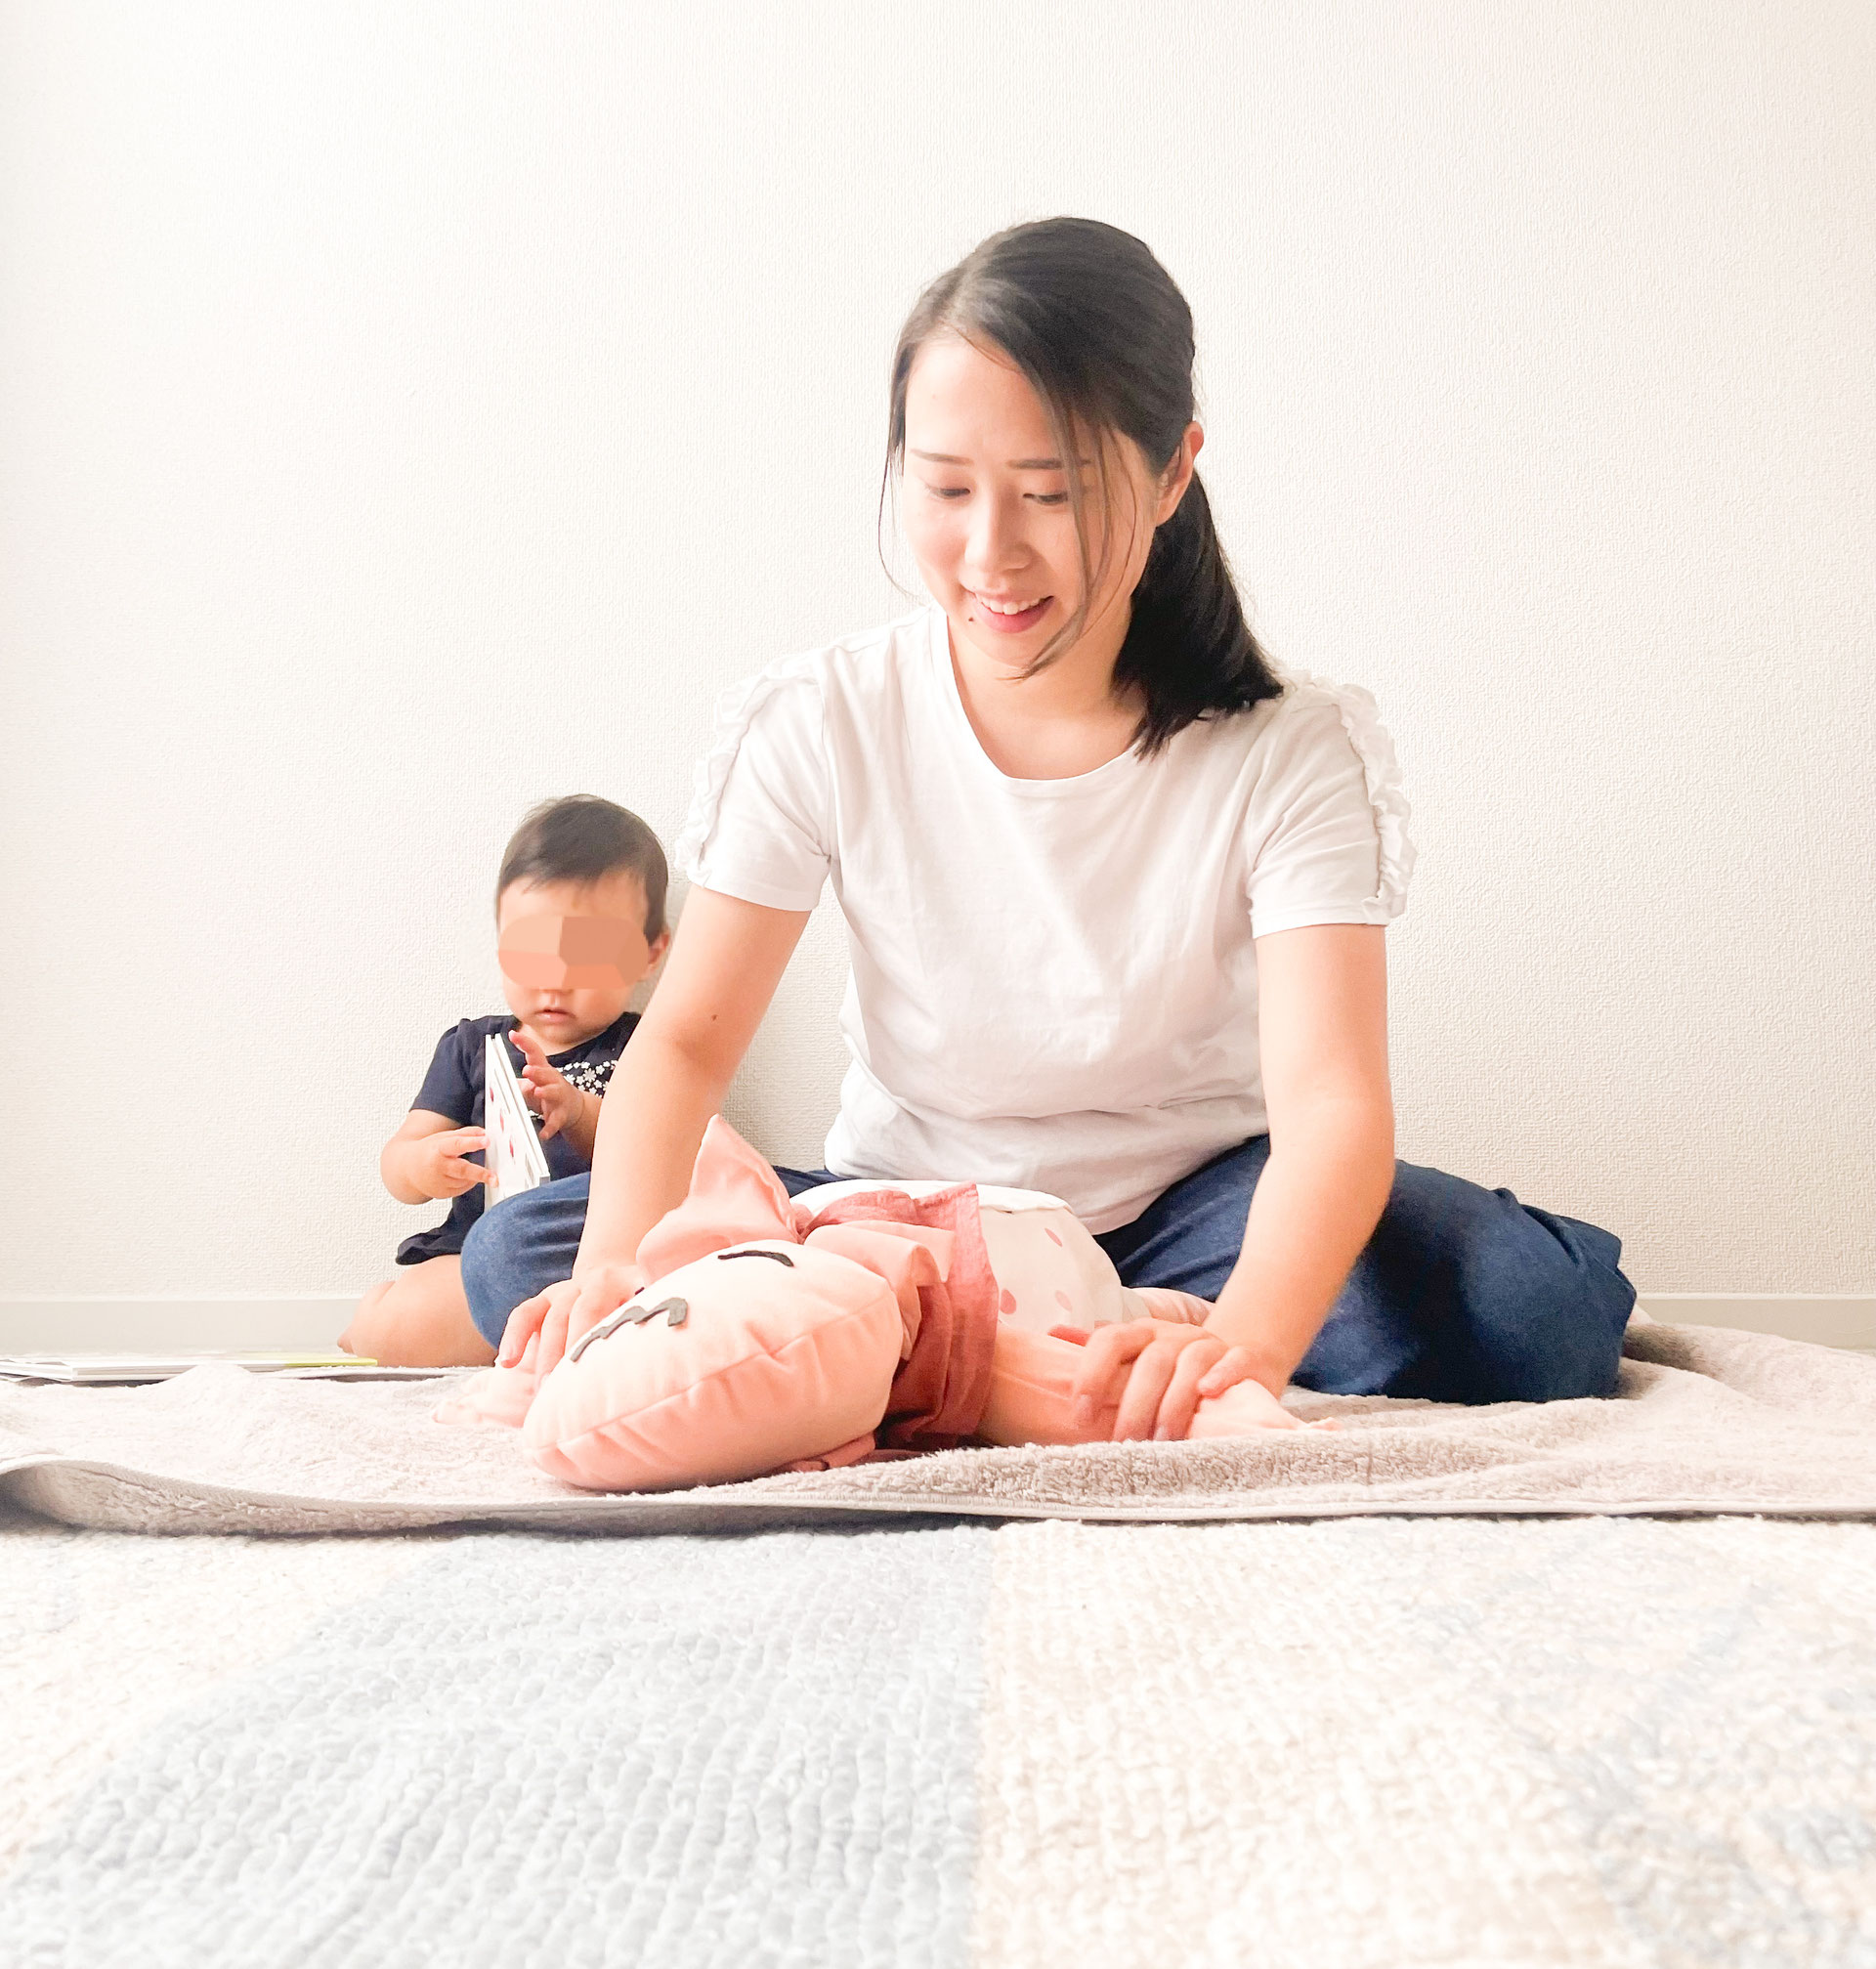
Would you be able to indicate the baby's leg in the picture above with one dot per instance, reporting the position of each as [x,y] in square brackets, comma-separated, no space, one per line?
[1162,1302]
[420,1319]
[1031,1398]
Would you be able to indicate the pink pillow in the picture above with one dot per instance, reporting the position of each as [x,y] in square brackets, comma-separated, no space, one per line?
[775,1336]
[768,1363]
[750,1351]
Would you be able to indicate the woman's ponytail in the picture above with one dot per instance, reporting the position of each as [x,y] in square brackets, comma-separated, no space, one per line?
[1104,337]
[1188,647]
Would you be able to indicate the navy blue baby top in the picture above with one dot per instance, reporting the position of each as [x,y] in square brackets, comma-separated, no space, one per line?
[455,1087]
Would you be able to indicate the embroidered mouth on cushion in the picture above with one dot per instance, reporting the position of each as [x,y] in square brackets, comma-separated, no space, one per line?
[678,1311]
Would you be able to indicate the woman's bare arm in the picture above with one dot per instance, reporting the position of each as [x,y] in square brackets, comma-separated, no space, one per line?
[1322,1023]
[726,961]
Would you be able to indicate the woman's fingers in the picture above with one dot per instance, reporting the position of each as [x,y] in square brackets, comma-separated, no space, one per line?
[524,1325]
[553,1333]
[1232,1367]
[1101,1374]
[598,1296]
[602,1294]
[1152,1375]
[1195,1365]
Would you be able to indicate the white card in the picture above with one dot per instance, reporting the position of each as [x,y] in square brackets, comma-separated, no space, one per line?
[514,1151]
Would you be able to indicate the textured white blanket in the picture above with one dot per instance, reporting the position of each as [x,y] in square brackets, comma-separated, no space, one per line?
[1379,1743]
[1707,1421]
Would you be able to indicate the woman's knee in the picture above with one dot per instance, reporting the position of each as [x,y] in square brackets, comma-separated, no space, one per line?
[1543,1305]
[1189,1238]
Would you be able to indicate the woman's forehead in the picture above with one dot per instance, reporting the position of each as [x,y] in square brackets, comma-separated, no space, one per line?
[967,405]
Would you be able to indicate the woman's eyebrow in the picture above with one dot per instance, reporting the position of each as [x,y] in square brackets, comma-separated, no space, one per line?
[1015,464]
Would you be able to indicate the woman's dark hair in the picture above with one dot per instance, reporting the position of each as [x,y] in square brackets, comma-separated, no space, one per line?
[583,840]
[1104,337]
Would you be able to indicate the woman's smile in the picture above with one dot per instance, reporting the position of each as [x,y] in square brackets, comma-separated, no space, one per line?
[1010,617]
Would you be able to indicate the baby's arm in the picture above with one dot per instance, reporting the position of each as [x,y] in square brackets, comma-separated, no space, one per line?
[425,1160]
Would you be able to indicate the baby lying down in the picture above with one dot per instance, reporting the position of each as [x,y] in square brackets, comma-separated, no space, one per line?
[856,1322]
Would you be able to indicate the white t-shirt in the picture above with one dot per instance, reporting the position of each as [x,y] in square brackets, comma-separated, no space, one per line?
[1054,982]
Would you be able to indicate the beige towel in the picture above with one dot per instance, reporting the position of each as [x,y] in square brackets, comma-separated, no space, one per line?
[1708,1420]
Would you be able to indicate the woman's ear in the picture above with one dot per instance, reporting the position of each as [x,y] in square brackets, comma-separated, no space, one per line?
[1179,474]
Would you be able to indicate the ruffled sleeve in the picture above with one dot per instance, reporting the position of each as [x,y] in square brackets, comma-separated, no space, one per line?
[759,826]
[1329,821]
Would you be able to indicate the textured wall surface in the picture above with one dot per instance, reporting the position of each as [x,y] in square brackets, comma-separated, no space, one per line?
[412,411]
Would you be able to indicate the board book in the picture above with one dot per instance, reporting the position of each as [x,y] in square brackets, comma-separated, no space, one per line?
[516,1160]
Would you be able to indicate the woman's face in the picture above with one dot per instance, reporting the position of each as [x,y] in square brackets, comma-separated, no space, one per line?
[987,516]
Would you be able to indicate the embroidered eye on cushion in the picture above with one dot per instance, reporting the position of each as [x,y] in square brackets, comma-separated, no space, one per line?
[759,1372]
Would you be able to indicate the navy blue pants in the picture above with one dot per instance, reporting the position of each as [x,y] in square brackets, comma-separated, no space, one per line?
[1461,1294]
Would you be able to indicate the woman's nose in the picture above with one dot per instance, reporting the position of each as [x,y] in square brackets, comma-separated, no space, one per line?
[994,542]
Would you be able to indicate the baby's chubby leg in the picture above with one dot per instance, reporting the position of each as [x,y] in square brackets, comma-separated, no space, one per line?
[1031,1398]
[1051,1271]
[420,1319]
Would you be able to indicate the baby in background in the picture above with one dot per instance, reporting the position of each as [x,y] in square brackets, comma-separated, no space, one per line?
[579,858]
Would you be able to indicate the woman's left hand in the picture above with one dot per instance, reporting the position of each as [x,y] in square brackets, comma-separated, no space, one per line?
[1157,1370]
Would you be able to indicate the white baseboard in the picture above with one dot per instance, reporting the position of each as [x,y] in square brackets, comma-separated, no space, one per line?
[47,1325]
[1824,1318]
[145,1325]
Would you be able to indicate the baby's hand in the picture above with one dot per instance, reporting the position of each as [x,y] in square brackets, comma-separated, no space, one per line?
[439,1169]
[550,1095]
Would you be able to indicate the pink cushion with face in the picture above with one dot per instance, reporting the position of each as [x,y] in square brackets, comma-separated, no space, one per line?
[735,1196]
[772,1363]
[775,1358]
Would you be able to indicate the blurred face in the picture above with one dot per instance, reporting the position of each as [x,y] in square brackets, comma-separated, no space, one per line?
[571,954]
[987,515]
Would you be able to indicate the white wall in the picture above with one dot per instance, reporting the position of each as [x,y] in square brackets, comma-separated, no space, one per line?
[407,411]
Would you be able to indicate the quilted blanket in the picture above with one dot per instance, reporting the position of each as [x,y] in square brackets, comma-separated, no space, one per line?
[1357,1743]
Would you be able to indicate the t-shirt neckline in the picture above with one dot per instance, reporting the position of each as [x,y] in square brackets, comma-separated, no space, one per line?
[1107,774]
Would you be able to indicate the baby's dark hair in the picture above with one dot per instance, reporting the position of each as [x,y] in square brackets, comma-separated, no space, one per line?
[584,839]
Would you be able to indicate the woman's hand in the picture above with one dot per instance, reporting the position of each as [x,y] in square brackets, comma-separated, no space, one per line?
[561,1313]
[1157,1371]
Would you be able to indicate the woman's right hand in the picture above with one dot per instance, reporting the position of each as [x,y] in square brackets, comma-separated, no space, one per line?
[561,1313]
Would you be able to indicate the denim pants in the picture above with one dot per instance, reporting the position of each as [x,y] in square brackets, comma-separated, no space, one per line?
[1461,1294]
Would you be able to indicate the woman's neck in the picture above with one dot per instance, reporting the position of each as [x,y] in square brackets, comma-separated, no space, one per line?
[1063,721]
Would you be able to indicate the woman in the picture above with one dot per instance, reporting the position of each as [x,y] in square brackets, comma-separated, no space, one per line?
[1117,898]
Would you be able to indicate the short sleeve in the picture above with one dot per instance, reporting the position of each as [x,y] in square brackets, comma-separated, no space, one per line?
[759,825]
[1328,821]
[447,1088]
